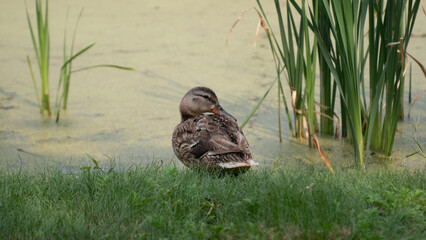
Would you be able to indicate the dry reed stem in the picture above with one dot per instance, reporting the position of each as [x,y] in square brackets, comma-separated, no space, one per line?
[336,132]
[327,163]
[306,129]
[260,23]
[418,62]
[299,111]
[405,52]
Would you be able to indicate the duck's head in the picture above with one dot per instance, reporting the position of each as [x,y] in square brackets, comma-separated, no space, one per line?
[200,100]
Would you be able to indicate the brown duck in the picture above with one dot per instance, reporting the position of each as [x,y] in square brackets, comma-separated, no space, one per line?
[211,141]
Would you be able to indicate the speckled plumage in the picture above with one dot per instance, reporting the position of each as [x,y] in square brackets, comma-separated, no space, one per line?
[213,141]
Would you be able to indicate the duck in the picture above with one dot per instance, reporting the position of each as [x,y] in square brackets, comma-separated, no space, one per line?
[208,137]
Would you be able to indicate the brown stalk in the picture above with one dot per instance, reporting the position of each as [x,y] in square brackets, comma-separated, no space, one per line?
[402,63]
[417,61]
[405,52]
[336,132]
[327,163]
[261,23]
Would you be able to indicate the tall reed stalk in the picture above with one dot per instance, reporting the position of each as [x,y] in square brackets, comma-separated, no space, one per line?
[294,51]
[41,45]
[327,88]
[346,63]
[66,69]
[391,23]
[339,30]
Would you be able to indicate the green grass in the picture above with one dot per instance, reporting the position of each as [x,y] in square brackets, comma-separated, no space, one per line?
[157,201]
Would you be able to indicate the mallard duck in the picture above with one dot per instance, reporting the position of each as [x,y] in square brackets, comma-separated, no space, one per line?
[210,141]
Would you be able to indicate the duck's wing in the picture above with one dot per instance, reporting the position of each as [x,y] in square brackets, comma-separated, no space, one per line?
[228,147]
[225,136]
[209,135]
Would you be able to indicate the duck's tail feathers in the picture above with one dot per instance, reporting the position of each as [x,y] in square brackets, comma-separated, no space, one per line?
[230,165]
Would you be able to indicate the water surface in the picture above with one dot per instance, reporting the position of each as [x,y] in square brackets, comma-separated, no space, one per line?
[130,116]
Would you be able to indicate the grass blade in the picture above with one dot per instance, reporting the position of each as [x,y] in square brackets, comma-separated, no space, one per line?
[36,51]
[258,105]
[34,82]
[103,65]
[77,54]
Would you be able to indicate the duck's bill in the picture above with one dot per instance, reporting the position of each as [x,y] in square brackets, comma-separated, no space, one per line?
[219,110]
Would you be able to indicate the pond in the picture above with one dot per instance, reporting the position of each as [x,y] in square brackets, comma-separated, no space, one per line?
[129,116]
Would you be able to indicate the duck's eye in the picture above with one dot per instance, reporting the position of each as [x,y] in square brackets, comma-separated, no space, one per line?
[206,96]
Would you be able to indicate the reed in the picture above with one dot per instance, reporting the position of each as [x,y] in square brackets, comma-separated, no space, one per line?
[65,78]
[372,121]
[279,69]
[41,45]
[391,24]
[293,50]
[67,70]
[309,68]
[327,88]
[346,63]
[339,30]
[418,147]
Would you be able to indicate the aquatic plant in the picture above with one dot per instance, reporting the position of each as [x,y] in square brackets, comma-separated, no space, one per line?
[418,149]
[339,35]
[300,64]
[67,70]
[346,63]
[366,120]
[292,51]
[279,69]
[391,24]
[327,86]
[41,45]
[42,50]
